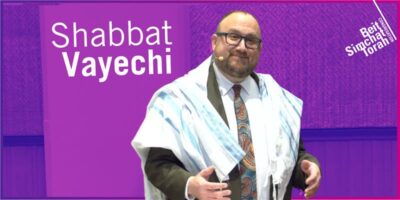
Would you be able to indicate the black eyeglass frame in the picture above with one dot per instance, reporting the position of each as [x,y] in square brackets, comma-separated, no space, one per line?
[225,34]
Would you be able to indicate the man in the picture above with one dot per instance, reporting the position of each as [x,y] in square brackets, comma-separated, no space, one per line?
[187,152]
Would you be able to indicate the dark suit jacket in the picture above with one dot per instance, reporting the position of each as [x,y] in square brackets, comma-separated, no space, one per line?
[167,173]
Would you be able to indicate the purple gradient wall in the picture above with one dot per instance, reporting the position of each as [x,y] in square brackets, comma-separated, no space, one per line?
[22,152]
[349,117]
[303,49]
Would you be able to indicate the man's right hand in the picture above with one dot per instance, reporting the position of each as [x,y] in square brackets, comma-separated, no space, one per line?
[200,188]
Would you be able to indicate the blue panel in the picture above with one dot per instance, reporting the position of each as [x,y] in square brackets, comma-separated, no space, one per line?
[29,140]
[362,133]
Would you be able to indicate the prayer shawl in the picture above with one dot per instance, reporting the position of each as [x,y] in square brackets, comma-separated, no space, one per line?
[181,118]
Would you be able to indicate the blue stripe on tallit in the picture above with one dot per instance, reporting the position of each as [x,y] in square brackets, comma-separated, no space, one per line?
[288,131]
[290,102]
[178,111]
[284,123]
[167,119]
[211,120]
[214,124]
[294,145]
[163,96]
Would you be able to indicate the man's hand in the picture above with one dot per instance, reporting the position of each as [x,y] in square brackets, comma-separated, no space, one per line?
[313,177]
[200,188]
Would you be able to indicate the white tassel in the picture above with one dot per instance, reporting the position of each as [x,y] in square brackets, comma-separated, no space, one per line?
[274,194]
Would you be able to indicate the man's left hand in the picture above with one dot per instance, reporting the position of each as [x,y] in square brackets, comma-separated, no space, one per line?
[313,177]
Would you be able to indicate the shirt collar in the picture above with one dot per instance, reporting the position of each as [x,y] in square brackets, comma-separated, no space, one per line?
[225,84]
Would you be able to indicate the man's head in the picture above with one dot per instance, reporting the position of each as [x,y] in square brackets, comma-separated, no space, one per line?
[237,59]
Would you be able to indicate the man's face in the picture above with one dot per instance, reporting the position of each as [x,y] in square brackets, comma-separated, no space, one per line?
[238,61]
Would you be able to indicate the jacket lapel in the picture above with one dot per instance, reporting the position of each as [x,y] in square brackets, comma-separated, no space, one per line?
[213,94]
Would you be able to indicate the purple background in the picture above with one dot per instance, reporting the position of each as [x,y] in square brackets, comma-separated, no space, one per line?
[349,117]
[88,125]
[303,48]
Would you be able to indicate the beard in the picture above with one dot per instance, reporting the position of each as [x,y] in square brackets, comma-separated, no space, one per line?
[237,66]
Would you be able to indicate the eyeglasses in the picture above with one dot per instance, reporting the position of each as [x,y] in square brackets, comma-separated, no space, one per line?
[234,39]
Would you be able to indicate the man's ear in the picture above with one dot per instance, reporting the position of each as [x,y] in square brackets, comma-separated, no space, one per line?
[214,38]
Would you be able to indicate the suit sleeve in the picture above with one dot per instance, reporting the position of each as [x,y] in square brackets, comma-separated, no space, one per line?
[167,173]
[299,177]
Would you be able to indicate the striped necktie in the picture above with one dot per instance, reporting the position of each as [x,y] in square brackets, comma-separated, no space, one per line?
[248,164]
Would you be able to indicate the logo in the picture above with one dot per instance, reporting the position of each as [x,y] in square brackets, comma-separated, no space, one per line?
[376,36]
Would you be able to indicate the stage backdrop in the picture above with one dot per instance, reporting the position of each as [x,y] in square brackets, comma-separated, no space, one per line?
[95,66]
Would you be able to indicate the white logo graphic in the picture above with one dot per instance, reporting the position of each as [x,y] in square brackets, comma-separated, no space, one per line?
[376,36]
